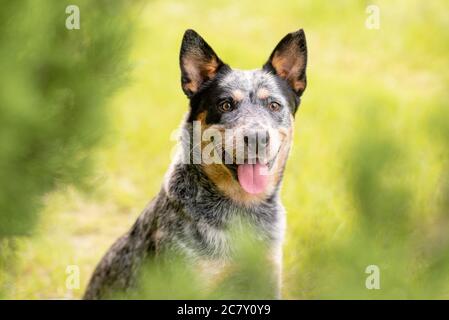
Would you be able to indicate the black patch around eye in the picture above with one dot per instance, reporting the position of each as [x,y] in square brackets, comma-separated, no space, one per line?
[214,115]
[206,100]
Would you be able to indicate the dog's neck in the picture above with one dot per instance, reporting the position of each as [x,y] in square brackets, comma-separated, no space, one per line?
[201,199]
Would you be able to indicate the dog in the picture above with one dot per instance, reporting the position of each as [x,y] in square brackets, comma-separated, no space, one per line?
[200,197]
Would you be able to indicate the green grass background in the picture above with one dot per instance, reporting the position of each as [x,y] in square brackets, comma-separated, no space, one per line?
[366,182]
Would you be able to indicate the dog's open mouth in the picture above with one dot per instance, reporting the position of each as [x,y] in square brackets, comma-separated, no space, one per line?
[253,176]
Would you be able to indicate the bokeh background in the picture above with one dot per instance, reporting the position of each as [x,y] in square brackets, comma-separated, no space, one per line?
[86,134]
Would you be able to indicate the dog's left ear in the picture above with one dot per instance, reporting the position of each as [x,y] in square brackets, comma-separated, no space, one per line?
[198,62]
[289,60]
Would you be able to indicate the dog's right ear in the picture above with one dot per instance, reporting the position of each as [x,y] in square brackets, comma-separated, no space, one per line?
[198,62]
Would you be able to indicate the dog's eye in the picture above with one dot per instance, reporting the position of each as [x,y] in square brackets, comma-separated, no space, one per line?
[225,106]
[274,106]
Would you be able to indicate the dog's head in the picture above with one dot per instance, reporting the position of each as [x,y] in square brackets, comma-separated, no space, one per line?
[246,117]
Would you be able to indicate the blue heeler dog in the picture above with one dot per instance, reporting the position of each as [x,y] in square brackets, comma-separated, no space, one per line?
[235,113]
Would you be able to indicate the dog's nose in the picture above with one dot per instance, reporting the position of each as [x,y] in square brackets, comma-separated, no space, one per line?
[259,137]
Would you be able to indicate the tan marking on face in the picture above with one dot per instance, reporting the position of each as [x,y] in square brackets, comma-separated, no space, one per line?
[286,137]
[202,119]
[222,177]
[263,93]
[205,138]
[238,95]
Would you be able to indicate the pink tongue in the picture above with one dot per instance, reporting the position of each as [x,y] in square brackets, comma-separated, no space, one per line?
[253,177]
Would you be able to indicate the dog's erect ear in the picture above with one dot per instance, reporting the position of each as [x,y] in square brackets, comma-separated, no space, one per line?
[198,61]
[289,60]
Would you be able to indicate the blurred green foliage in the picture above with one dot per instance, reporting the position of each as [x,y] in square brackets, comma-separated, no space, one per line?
[367,182]
[173,276]
[54,85]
